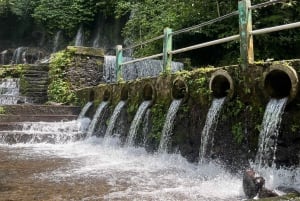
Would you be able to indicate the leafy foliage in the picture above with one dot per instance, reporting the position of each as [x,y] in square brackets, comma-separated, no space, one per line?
[59,89]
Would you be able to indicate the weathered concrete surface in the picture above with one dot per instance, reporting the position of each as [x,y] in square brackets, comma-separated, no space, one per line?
[237,132]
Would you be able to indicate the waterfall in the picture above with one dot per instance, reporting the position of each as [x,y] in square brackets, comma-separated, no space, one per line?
[79,37]
[168,126]
[9,91]
[3,54]
[113,119]
[207,135]
[136,122]
[268,136]
[84,110]
[56,41]
[96,118]
[18,56]
[46,132]
[151,68]
[146,125]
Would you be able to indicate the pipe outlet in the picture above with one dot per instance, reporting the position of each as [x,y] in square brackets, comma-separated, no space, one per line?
[221,84]
[124,93]
[281,81]
[106,95]
[148,92]
[179,89]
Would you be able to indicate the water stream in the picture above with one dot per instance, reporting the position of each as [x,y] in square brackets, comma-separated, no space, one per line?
[207,135]
[9,91]
[270,130]
[137,120]
[79,39]
[113,119]
[168,126]
[56,41]
[97,118]
[84,110]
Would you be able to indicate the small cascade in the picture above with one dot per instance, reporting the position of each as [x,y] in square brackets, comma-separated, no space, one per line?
[146,126]
[113,119]
[79,37]
[47,132]
[136,122]
[268,136]
[9,91]
[151,68]
[19,55]
[96,118]
[84,110]
[56,41]
[3,55]
[168,126]
[207,135]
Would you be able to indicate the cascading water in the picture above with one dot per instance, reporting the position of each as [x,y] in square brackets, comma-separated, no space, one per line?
[9,91]
[168,126]
[84,110]
[56,41]
[146,126]
[207,135]
[270,130]
[47,132]
[151,68]
[3,55]
[18,55]
[96,118]
[136,122]
[113,119]
[79,39]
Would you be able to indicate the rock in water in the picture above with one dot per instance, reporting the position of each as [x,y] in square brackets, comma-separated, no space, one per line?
[254,186]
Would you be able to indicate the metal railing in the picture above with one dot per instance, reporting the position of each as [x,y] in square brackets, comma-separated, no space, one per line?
[245,36]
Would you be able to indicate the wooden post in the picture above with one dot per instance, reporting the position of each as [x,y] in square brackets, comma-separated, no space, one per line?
[167,58]
[246,39]
[119,60]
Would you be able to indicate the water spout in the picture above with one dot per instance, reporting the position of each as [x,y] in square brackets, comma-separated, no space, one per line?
[113,119]
[270,130]
[207,135]
[84,110]
[98,116]
[136,122]
[168,126]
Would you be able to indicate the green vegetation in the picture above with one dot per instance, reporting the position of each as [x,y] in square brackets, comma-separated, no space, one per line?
[2,110]
[59,89]
[148,18]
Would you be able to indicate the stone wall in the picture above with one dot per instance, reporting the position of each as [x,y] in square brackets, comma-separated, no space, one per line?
[236,136]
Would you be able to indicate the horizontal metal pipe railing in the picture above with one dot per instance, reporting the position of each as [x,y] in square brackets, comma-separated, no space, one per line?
[210,43]
[276,28]
[144,43]
[265,4]
[142,59]
[205,23]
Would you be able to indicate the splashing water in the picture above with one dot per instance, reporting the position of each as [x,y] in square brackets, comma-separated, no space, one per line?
[46,132]
[207,135]
[84,110]
[130,173]
[113,119]
[168,126]
[136,122]
[9,91]
[97,118]
[268,136]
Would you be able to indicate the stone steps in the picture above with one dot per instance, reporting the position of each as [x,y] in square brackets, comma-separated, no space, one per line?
[37,118]
[29,109]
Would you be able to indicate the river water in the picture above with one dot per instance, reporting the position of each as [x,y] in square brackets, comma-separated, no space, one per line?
[97,169]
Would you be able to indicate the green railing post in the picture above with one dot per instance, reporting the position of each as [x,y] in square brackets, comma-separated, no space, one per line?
[119,60]
[167,58]
[246,39]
